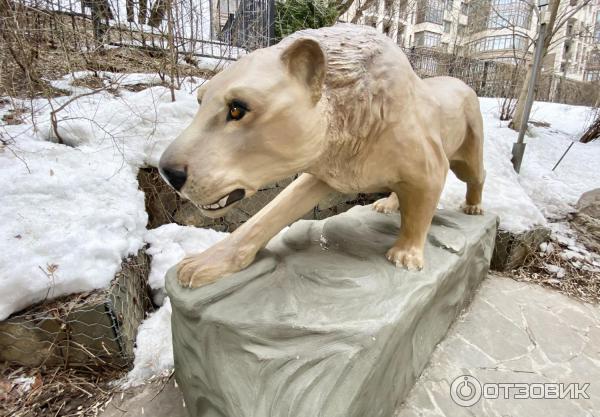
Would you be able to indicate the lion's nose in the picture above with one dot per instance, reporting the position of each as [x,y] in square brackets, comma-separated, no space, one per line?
[175,177]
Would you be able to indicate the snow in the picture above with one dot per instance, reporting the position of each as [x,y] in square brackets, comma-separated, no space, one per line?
[525,201]
[72,212]
[566,119]
[68,218]
[556,192]
[169,244]
[138,124]
[154,348]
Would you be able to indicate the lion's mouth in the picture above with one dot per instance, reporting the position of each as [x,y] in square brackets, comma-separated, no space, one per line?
[232,197]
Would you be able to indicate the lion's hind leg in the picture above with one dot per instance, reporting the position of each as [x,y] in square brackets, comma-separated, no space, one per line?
[389,204]
[474,177]
[467,165]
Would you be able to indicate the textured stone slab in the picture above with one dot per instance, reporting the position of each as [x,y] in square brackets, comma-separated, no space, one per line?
[156,399]
[321,324]
[514,333]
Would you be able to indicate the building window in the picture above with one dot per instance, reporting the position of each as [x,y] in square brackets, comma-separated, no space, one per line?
[507,60]
[430,11]
[449,4]
[428,39]
[498,43]
[509,13]
[593,58]
[447,26]
[569,30]
[592,75]
[445,46]
[462,30]
[464,8]
[597,27]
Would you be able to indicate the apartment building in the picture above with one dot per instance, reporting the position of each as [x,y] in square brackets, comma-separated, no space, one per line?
[497,30]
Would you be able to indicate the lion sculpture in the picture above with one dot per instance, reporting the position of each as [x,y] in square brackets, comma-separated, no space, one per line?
[343,106]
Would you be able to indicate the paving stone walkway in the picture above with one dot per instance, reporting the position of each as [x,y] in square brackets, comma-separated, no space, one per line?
[161,398]
[512,334]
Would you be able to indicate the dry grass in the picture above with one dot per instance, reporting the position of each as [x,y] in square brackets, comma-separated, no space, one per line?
[52,65]
[581,280]
[55,392]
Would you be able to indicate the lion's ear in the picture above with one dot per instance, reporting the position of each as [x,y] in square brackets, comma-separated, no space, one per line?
[305,60]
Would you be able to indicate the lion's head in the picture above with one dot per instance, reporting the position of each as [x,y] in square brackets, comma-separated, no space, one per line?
[259,121]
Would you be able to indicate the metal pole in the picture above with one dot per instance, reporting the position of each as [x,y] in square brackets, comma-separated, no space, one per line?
[519,147]
[563,155]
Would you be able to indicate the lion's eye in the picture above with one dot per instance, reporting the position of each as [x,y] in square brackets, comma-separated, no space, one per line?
[199,101]
[237,110]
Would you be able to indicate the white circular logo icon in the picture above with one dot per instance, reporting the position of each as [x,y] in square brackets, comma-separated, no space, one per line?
[465,390]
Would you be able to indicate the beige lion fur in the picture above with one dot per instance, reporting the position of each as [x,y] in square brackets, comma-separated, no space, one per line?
[343,105]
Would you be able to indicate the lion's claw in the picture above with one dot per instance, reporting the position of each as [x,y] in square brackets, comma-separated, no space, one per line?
[386,205]
[222,259]
[411,259]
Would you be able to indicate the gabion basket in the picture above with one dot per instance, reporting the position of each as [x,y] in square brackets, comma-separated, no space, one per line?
[83,330]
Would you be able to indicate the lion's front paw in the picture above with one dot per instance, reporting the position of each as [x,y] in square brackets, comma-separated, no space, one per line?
[386,205]
[216,262]
[411,259]
[472,209]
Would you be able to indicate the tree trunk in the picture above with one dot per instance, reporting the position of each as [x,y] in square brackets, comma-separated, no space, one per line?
[172,50]
[360,11]
[517,120]
[129,10]
[592,132]
[157,14]
[143,12]
[343,6]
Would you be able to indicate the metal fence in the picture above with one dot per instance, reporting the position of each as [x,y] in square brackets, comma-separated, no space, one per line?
[204,28]
[498,79]
[191,30]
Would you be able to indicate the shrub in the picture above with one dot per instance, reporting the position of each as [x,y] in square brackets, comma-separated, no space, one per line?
[293,15]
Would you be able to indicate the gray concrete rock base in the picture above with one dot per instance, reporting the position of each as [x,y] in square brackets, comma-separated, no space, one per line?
[321,324]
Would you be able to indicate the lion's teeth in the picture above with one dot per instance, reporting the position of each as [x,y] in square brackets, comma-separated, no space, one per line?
[214,206]
[223,201]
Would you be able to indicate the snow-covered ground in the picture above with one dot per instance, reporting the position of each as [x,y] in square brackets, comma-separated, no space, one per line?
[71,212]
[525,200]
